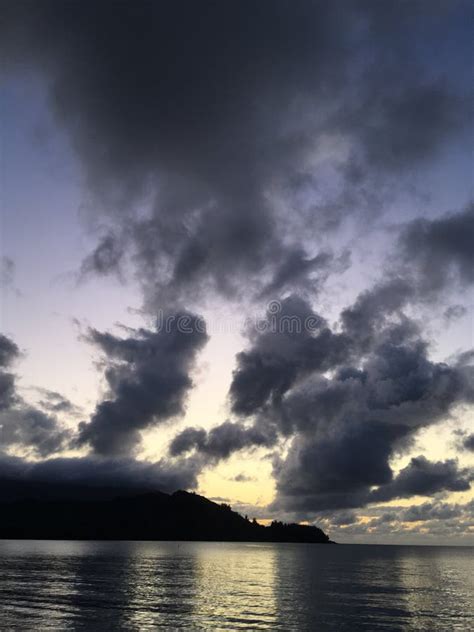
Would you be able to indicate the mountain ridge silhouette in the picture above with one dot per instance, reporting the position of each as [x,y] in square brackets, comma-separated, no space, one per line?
[156,515]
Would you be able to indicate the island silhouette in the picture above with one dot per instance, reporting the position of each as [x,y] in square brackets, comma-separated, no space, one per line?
[85,514]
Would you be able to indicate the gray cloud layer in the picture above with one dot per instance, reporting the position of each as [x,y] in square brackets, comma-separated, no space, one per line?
[63,475]
[211,116]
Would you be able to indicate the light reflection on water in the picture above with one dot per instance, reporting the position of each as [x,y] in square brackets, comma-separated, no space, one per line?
[148,585]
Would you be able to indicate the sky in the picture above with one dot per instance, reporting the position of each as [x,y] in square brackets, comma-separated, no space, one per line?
[237,257]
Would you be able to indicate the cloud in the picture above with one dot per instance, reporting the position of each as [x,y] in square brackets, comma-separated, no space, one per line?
[424,478]
[26,427]
[348,399]
[106,257]
[187,440]
[454,312]
[344,518]
[221,441]
[67,476]
[8,351]
[242,478]
[54,402]
[148,375]
[414,120]
[294,342]
[468,442]
[23,426]
[148,367]
[440,250]
[195,123]
[429,522]
[7,390]
[374,307]
[351,425]
[336,471]
[7,272]
[432,511]
[57,403]
[297,269]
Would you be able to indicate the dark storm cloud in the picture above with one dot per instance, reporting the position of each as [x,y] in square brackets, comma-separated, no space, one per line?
[92,472]
[148,375]
[205,113]
[294,342]
[309,482]
[335,471]
[351,426]
[440,250]
[423,478]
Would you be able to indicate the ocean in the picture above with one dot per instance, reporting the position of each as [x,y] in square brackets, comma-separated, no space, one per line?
[62,585]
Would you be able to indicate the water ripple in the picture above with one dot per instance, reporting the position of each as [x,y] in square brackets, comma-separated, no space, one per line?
[212,586]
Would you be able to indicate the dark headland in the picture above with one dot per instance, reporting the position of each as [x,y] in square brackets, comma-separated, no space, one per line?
[146,516]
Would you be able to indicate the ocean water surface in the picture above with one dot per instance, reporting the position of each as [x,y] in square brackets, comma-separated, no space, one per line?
[60,585]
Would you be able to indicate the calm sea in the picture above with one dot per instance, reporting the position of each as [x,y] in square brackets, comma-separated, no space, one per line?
[205,586]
